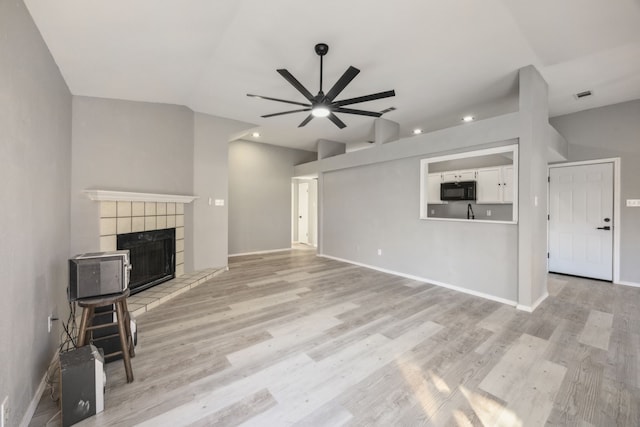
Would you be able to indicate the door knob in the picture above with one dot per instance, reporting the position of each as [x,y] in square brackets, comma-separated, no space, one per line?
[606,227]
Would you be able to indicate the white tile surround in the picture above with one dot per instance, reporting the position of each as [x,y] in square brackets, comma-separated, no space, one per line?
[120,217]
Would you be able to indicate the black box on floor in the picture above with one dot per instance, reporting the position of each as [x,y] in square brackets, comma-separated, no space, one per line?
[82,381]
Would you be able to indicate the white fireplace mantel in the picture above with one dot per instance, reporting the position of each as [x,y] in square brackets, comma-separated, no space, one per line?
[125,196]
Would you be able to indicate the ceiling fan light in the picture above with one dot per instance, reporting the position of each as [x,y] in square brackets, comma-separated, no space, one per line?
[320,111]
[468,119]
[417,131]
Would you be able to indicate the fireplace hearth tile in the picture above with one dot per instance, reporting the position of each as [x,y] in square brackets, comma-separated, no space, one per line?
[161,222]
[150,208]
[137,224]
[171,208]
[137,209]
[179,220]
[124,209]
[171,221]
[124,225]
[107,226]
[149,223]
[180,233]
[179,208]
[108,243]
[161,208]
[108,209]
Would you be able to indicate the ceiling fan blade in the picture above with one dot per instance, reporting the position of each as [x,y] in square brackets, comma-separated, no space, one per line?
[365,98]
[295,83]
[360,112]
[279,100]
[305,121]
[346,78]
[286,112]
[336,121]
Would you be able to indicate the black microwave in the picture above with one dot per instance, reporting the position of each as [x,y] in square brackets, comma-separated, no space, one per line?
[462,190]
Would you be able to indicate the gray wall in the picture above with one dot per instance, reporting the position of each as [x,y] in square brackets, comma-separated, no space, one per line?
[127,146]
[35,164]
[532,187]
[377,207]
[612,131]
[260,195]
[211,172]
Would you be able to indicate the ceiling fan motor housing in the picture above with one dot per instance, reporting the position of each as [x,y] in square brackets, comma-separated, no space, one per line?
[322,49]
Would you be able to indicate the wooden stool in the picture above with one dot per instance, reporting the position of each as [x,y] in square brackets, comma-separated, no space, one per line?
[123,323]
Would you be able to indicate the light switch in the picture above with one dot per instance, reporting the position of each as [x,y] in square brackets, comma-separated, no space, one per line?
[219,202]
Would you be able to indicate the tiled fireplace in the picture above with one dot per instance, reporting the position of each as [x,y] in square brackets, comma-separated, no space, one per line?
[126,212]
[121,217]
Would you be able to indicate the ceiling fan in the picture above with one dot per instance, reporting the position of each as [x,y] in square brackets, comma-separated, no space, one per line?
[324,105]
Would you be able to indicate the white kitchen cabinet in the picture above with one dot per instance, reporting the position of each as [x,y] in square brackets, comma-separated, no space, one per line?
[455,176]
[507,184]
[433,188]
[495,185]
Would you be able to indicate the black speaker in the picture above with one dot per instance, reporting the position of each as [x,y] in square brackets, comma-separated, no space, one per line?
[82,381]
[107,339]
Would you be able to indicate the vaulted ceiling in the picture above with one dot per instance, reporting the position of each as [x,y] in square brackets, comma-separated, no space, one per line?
[445,59]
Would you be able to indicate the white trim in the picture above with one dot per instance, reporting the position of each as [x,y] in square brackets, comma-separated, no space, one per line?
[126,196]
[474,153]
[625,283]
[429,281]
[260,252]
[616,206]
[33,405]
[531,308]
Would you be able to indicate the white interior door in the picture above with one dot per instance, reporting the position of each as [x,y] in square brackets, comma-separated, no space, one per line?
[581,220]
[303,212]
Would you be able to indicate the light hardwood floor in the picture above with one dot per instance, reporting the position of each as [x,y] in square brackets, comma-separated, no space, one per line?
[292,339]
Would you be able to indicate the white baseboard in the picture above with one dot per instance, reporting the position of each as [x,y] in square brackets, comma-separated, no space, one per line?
[260,252]
[625,283]
[531,308]
[426,280]
[33,405]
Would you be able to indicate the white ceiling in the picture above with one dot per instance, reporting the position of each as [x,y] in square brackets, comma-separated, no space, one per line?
[444,59]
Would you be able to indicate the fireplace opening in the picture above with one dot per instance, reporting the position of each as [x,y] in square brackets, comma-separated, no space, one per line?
[152,256]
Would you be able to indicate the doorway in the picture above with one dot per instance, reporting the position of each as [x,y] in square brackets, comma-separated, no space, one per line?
[582,219]
[305,207]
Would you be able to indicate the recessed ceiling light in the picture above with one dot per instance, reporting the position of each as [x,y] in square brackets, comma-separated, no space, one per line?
[417,131]
[583,94]
[256,134]
[468,118]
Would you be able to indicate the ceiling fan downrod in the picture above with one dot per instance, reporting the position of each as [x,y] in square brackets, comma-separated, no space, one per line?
[321,49]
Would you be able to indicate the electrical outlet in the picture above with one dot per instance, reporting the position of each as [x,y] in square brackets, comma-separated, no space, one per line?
[488,212]
[379,251]
[4,412]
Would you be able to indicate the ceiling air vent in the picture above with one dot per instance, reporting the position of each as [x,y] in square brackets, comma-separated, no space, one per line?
[583,94]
